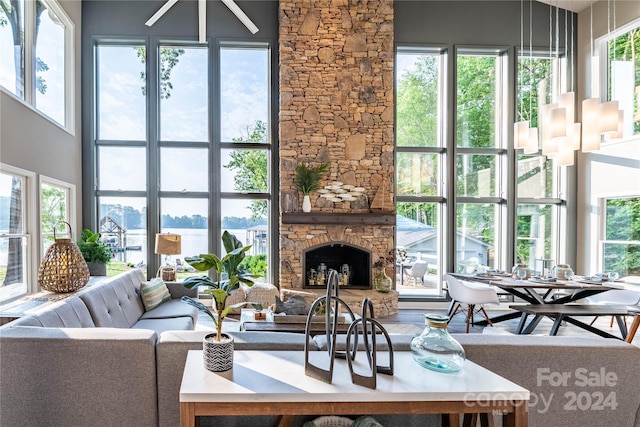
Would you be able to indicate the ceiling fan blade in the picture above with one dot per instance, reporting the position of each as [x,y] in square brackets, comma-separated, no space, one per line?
[241,15]
[160,12]
[202,21]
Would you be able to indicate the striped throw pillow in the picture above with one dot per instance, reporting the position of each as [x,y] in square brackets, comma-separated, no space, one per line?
[154,293]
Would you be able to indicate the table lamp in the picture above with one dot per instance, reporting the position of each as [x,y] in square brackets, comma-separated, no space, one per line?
[168,244]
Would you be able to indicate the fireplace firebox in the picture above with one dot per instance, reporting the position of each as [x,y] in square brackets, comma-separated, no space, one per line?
[352,263]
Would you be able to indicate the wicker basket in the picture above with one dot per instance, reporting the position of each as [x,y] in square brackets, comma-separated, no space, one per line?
[332,421]
[63,269]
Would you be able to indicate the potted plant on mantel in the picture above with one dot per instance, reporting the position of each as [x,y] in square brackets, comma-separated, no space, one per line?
[95,252]
[307,180]
[218,347]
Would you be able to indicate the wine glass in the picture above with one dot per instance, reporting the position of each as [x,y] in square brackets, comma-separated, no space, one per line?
[521,273]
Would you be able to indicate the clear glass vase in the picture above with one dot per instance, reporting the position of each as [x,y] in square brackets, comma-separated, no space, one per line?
[435,349]
[381,282]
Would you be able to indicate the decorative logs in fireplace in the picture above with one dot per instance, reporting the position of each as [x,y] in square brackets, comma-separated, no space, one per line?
[351,262]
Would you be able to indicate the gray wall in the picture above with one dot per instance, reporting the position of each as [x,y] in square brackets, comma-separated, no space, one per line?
[472,23]
[116,17]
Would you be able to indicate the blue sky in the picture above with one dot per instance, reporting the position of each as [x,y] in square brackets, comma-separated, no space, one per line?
[244,98]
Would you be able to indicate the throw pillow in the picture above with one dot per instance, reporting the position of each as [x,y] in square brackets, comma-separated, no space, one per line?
[154,293]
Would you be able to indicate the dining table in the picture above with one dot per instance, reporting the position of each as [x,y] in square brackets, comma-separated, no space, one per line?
[543,291]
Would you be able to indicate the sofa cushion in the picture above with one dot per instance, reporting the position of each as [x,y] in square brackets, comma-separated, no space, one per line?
[172,308]
[162,325]
[69,313]
[154,293]
[115,303]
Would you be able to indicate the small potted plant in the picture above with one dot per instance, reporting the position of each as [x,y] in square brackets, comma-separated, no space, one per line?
[219,344]
[307,180]
[95,252]
[381,281]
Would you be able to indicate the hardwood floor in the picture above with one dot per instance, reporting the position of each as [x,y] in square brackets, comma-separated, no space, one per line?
[458,324]
[411,321]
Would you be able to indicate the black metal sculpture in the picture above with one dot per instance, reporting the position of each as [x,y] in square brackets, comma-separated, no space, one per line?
[369,326]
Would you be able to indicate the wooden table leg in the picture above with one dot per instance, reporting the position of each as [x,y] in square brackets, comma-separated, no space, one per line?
[286,420]
[450,420]
[634,328]
[187,415]
[518,418]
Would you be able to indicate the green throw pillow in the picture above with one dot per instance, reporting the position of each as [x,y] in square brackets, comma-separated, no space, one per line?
[154,293]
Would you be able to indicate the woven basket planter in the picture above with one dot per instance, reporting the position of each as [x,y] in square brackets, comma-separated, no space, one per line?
[217,355]
[63,269]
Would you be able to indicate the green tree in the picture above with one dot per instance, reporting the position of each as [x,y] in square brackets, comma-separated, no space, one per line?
[417,126]
[52,208]
[251,167]
[169,58]
[622,225]
[417,104]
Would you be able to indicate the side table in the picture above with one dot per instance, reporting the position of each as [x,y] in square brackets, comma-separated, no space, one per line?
[274,383]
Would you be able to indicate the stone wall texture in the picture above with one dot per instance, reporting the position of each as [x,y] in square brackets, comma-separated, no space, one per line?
[336,105]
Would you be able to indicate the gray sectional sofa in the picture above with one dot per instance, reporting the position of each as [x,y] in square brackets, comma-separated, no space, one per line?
[99,359]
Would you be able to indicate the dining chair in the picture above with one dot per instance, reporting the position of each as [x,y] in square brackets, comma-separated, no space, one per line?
[417,271]
[620,297]
[471,295]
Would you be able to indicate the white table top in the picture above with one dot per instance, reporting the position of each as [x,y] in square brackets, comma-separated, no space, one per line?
[270,376]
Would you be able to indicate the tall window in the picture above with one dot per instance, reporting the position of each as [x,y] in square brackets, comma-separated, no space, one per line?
[420,154]
[623,74]
[481,158]
[56,206]
[36,56]
[461,182]
[538,180]
[16,187]
[199,166]
[121,150]
[620,236]
[245,149]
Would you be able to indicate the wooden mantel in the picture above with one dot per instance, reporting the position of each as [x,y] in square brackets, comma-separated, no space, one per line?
[329,218]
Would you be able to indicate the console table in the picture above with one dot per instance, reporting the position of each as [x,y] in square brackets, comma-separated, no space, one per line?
[274,383]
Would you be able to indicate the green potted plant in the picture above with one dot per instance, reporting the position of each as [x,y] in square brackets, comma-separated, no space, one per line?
[95,252]
[307,180]
[220,289]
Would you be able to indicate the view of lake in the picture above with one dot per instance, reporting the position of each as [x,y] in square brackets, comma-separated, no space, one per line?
[194,242]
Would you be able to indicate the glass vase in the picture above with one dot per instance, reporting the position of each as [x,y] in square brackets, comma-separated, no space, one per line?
[381,282]
[435,349]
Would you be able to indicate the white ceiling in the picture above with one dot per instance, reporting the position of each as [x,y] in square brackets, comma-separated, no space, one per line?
[572,5]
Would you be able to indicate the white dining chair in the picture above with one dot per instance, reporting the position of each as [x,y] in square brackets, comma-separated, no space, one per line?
[620,297]
[417,271]
[471,295]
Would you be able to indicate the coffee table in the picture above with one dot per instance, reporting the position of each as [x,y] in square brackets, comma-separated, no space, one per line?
[270,324]
[274,383]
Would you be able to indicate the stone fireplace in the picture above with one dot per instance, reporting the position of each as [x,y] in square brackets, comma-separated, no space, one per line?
[336,106]
[353,265]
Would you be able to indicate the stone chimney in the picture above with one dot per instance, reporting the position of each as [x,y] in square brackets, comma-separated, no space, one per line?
[336,105]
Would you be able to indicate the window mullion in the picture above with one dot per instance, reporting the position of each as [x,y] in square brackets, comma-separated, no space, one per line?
[29,51]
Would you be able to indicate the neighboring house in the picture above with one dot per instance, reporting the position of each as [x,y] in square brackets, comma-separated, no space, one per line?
[420,242]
